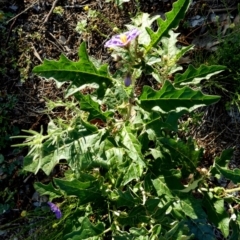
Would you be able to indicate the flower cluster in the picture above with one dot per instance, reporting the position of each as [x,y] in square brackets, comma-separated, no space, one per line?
[55,209]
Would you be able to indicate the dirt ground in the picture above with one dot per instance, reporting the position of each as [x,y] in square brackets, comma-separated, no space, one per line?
[33,32]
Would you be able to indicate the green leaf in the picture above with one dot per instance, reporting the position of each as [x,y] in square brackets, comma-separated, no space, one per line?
[235,230]
[114,155]
[172,21]
[168,121]
[177,231]
[222,165]
[94,109]
[142,21]
[115,96]
[172,178]
[125,235]
[156,230]
[163,210]
[135,216]
[233,175]
[169,98]
[4,208]
[162,161]
[191,186]
[130,142]
[170,55]
[183,154]
[171,119]
[201,229]
[224,158]
[217,213]
[194,76]
[124,198]
[133,151]
[78,73]
[85,191]
[138,231]
[191,206]
[47,190]
[86,231]
[35,161]
[161,187]
[133,171]
[152,204]
[76,144]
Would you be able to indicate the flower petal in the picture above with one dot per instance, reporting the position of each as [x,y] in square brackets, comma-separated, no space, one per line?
[123,39]
[55,209]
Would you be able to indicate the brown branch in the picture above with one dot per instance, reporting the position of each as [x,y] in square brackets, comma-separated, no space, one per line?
[50,12]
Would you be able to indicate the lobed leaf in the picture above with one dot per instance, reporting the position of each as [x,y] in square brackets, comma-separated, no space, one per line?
[85,191]
[94,109]
[73,144]
[169,98]
[194,75]
[48,189]
[78,73]
[172,21]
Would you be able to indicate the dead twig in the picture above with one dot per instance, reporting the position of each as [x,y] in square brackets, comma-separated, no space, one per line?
[59,44]
[50,12]
[9,32]
[36,53]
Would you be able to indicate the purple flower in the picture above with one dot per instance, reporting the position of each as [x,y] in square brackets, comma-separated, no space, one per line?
[55,209]
[123,39]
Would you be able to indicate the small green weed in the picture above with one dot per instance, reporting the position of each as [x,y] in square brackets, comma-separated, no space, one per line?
[228,54]
[89,24]
[58,10]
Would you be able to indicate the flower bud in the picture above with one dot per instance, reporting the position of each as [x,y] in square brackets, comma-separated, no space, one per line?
[165,58]
[86,8]
[115,29]
[23,213]
[127,81]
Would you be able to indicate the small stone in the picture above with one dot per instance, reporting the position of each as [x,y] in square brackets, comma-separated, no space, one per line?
[62,39]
